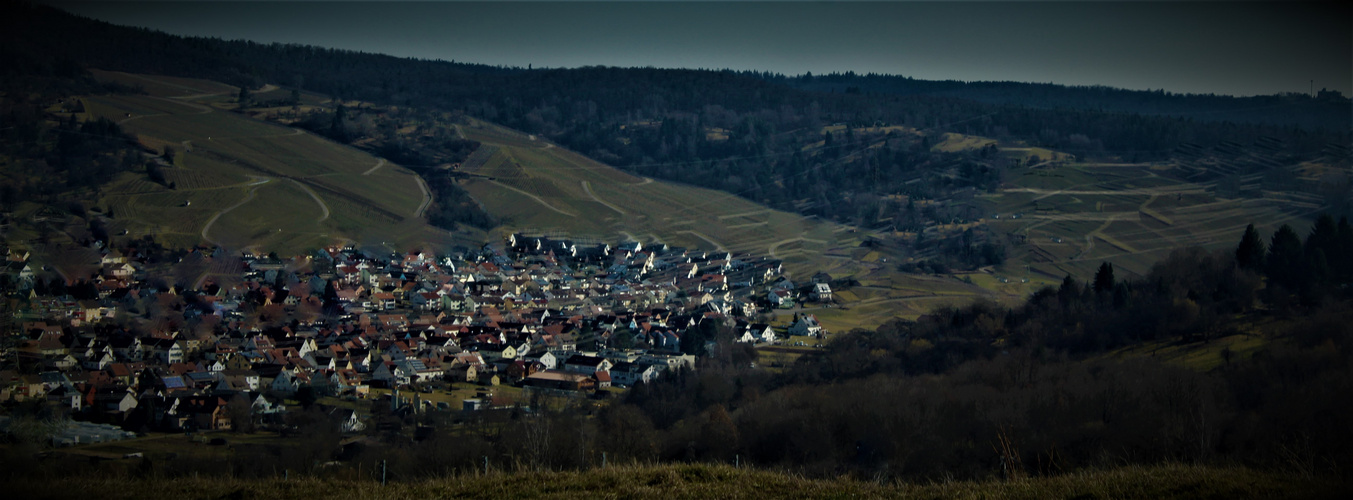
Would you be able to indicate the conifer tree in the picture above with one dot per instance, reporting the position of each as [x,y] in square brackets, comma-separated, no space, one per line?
[1284,262]
[1250,253]
[1104,278]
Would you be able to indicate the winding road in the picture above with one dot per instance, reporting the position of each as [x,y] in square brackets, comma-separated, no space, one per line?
[312,194]
[777,244]
[427,196]
[534,197]
[587,186]
[379,163]
[261,181]
[717,246]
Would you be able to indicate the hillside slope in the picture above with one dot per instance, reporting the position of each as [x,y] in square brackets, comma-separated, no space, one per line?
[238,182]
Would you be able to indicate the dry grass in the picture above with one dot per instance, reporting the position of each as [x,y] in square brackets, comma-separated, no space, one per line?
[707,481]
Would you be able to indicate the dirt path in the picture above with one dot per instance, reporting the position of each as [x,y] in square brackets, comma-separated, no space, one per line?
[201,109]
[379,163]
[587,186]
[427,196]
[1044,193]
[744,214]
[312,194]
[534,197]
[718,246]
[138,117]
[171,84]
[777,244]
[627,234]
[247,199]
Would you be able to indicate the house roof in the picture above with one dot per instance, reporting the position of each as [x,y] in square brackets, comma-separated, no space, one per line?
[584,360]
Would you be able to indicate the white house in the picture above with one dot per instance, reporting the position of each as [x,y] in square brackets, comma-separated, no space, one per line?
[627,374]
[822,292]
[759,332]
[806,325]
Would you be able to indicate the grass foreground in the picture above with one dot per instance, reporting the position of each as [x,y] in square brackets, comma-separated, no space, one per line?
[707,481]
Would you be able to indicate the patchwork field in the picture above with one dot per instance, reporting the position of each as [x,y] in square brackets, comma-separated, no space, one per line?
[1076,215]
[240,182]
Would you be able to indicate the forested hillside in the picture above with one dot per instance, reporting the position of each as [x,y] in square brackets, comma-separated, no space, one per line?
[1327,110]
[857,156]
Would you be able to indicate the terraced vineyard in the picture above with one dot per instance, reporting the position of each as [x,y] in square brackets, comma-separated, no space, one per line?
[1075,215]
[535,186]
[240,182]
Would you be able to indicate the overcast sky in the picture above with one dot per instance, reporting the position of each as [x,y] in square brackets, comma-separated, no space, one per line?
[1239,48]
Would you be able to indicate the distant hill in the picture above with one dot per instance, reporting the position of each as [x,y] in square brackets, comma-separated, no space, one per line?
[1327,110]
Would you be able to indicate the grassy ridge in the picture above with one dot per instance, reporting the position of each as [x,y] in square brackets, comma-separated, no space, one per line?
[708,481]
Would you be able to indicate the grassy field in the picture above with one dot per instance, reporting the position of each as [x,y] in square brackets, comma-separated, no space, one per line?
[707,481]
[241,182]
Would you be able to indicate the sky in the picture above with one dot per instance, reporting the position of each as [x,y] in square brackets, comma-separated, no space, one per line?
[1235,48]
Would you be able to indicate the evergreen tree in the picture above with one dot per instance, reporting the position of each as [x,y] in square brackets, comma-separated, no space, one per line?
[1324,237]
[336,130]
[1104,278]
[1343,264]
[1069,290]
[1284,262]
[1250,253]
[1321,245]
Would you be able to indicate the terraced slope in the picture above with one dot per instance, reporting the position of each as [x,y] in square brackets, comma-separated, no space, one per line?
[1077,215]
[536,186]
[239,182]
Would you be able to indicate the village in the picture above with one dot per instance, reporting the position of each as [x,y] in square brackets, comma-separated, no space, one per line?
[126,352]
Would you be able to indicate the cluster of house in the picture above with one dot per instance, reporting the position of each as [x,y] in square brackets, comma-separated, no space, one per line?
[549,314]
